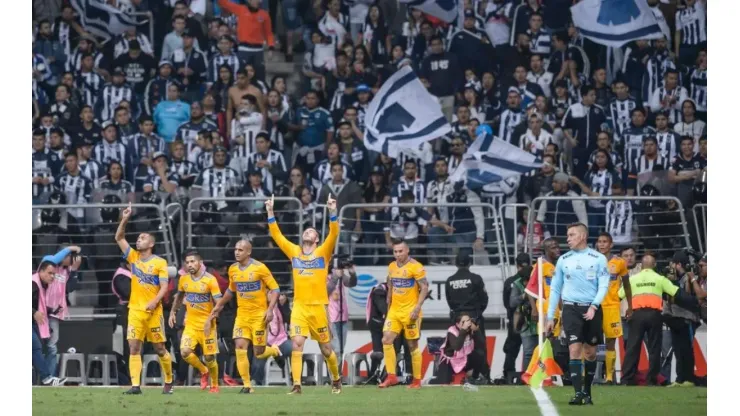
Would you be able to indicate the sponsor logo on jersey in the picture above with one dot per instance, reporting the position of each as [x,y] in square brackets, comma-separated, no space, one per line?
[402,283]
[197,297]
[317,263]
[248,286]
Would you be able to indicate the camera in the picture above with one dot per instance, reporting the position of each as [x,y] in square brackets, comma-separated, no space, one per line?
[343,261]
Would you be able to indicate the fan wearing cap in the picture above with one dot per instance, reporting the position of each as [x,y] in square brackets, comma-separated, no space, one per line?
[139,67]
[471,45]
[219,178]
[557,215]
[162,180]
[74,185]
[156,88]
[269,162]
[190,65]
[112,94]
[89,167]
[353,150]
[364,94]
[110,148]
[123,44]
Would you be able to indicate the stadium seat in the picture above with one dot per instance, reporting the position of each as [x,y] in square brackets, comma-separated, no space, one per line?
[271,368]
[108,369]
[355,361]
[147,360]
[63,368]
[313,363]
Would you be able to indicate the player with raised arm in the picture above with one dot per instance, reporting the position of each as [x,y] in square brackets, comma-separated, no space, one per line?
[149,280]
[612,323]
[253,285]
[310,263]
[199,291]
[407,289]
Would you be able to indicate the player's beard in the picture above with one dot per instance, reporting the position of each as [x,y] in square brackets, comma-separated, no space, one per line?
[192,272]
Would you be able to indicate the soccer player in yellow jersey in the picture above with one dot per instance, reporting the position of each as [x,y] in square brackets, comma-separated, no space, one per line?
[253,285]
[551,249]
[310,263]
[407,289]
[612,321]
[199,291]
[149,280]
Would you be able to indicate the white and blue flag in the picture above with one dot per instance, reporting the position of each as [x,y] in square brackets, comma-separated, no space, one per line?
[403,115]
[101,19]
[615,22]
[490,160]
[446,10]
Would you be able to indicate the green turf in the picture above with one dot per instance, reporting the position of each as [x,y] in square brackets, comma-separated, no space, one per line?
[452,401]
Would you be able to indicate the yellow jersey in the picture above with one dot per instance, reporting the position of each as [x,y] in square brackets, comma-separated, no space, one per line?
[199,296]
[250,286]
[532,289]
[309,271]
[403,280]
[617,270]
[146,276]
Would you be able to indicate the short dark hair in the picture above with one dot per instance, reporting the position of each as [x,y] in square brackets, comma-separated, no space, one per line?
[587,88]
[397,241]
[144,118]
[638,110]
[193,252]
[578,224]
[251,98]
[70,154]
[627,249]
[606,234]
[45,264]
[689,138]
[334,164]
[409,161]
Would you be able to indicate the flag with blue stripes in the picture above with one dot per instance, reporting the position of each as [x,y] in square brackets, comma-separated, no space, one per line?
[403,115]
[101,19]
[446,10]
[490,160]
[615,22]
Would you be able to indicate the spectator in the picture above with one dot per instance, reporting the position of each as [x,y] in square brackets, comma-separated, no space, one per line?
[557,215]
[139,68]
[216,180]
[187,132]
[111,149]
[581,123]
[269,161]
[535,140]
[690,125]
[174,40]
[63,112]
[471,45]
[123,44]
[244,130]
[538,75]
[620,109]
[670,97]
[115,183]
[604,142]
[511,117]
[141,149]
[113,94]
[657,66]
[345,191]
[619,220]
[341,275]
[254,30]
[75,186]
[444,74]
[89,168]
[88,129]
[691,30]
[323,173]
[190,66]
[698,85]
[224,59]
[89,82]
[170,114]
[373,218]
[405,222]
[157,86]
[185,169]
[649,161]
[598,182]
[162,180]
[667,139]
[376,36]
[353,152]
[43,167]
[313,215]
[685,169]
[50,48]
[334,24]
[541,183]
[313,127]
[527,90]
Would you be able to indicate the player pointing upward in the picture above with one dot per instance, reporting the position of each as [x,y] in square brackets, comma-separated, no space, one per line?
[149,280]
[407,290]
[310,262]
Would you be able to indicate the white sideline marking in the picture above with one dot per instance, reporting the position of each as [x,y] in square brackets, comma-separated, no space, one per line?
[547,408]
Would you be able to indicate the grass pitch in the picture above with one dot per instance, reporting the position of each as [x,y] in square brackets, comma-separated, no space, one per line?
[368,400]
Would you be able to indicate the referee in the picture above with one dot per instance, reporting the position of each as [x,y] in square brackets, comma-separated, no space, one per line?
[581,280]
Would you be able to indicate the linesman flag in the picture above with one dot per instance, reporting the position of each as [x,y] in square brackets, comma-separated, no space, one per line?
[615,22]
[542,366]
[101,19]
[403,115]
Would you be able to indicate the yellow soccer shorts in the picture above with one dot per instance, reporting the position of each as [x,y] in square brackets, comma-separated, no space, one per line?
[612,321]
[400,322]
[251,328]
[192,337]
[310,320]
[146,325]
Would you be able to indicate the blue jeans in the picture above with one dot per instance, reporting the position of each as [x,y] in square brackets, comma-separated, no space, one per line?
[37,357]
[335,327]
[258,368]
[596,220]
[51,346]
[529,342]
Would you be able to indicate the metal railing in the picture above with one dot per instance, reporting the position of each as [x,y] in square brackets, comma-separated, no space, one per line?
[351,241]
[700,222]
[174,212]
[655,225]
[515,239]
[96,238]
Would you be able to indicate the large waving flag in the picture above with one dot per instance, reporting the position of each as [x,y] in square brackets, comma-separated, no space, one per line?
[615,22]
[491,160]
[101,19]
[446,10]
[402,115]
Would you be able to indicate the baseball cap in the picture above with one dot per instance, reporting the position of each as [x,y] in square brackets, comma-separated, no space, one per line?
[342,122]
[363,88]
[469,13]
[561,177]
[377,170]
[463,259]
[522,259]
[157,155]
[255,171]
[107,124]
[164,62]
[119,71]
[86,141]
[187,33]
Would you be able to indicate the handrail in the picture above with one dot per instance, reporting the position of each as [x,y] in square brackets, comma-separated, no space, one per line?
[701,238]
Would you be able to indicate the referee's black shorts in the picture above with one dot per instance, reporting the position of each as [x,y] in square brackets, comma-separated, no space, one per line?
[577,328]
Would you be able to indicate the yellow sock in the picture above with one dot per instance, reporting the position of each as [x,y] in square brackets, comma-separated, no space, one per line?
[166,363]
[134,369]
[269,352]
[213,370]
[416,363]
[389,354]
[242,363]
[611,361]
[296,366]
[193,360]
[331,362]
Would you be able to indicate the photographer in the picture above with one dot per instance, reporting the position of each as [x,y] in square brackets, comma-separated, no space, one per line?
[682,320]
[342,273]
[522,320]
[513,338]
[462,352]
[65,282]
[466,292]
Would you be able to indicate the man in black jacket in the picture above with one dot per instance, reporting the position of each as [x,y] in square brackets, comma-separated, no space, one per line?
[466,292]
[444,74]
[513,340]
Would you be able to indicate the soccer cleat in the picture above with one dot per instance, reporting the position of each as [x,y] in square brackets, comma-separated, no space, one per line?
[214,389]
[296,389]
[577,400]
[608,383]
[133,390]
[246,390]
[389,381]
[336,386]
[688,384]
[169,388]
[205,380]
[230,381]
[416,384]
[587,399]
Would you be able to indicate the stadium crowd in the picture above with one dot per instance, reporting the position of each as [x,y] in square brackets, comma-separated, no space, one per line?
[197,111]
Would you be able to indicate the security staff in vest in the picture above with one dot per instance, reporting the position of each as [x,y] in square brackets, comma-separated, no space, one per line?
[466,292]
[644,293]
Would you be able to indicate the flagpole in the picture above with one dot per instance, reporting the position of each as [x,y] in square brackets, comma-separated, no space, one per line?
[540,306]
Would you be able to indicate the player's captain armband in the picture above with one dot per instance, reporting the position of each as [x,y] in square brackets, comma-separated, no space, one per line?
[332,218]
[271,220]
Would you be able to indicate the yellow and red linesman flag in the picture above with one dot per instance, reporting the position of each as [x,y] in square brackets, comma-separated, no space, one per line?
[542,366]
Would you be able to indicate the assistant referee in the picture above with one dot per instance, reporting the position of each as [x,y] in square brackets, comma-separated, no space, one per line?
[581,280]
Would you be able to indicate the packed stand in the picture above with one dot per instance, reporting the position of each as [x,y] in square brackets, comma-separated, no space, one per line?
[197,112]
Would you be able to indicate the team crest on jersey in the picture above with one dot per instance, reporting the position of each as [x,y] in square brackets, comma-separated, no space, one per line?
[202,287]
[185,287]
[251,276]
[613,269]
